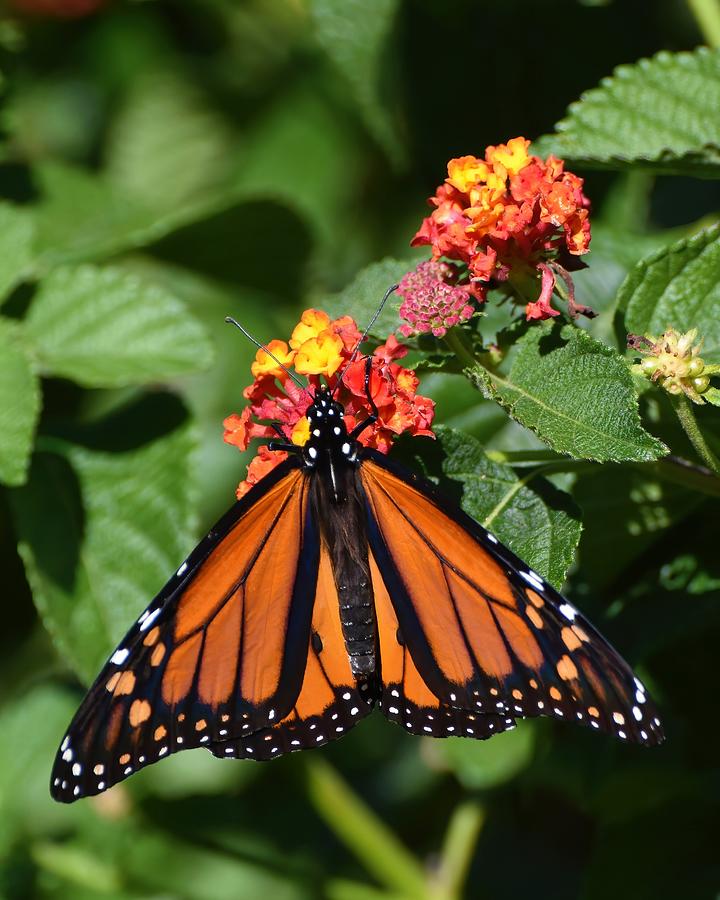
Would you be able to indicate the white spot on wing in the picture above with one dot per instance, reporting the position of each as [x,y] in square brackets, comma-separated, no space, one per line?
[568,611]
[119,656]
[150,619]
[182,569]
[533,579]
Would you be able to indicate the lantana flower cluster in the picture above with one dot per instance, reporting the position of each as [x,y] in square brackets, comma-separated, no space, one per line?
[505,217]
[320,349]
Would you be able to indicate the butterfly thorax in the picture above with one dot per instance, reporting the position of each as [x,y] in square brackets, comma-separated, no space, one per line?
[331,457]
[329,449]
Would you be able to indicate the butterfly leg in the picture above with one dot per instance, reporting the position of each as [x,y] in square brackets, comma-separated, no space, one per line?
[373,417]
[284,444]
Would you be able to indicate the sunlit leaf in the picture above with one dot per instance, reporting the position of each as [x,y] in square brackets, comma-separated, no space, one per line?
[575,393]
[167,147]
[661,113]
[538,522]
[678,286]
[104,328]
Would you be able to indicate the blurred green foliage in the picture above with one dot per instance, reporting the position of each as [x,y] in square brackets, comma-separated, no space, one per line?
[166,163]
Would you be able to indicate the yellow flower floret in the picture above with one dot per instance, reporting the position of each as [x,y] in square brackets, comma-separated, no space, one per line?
[321,355]
[301,432]
[312,323]
[512,157]
[465,171]
[264,363]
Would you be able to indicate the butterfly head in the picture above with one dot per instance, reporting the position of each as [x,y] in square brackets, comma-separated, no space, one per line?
[327,428]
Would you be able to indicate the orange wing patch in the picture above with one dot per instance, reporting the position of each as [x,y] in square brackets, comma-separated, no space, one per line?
[405,698]
[330,702]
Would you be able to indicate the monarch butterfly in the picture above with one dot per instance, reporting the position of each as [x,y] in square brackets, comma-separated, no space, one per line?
[342,581]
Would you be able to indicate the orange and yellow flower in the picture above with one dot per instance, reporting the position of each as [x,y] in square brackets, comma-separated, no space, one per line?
[321,349]
[508,211]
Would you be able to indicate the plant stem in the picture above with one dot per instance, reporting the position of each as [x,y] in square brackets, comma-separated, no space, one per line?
[457,852]
[707,16]
[364,834]
[686,414]
[455,342]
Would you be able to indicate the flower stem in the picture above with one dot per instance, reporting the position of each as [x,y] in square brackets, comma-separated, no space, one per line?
[455,341]
[458,848]
[707,16]
[686,414]
[364,834]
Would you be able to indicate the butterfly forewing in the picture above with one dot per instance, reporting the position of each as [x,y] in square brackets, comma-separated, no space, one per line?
[485,632]
[220,651]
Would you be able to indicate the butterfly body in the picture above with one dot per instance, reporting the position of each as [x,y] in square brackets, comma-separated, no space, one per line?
[330,459]
[341,582]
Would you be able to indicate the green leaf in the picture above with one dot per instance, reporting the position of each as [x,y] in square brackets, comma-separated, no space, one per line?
[105,328]
[167,147]
[679,286]
[360,299]
[312,181]
[99,534]
[84,217]
[81,217]
[538,522]
[486,764]
[16,246]
[575,393]
[19,405]
[626,510]
[355,39]
[661,114]
[30,728]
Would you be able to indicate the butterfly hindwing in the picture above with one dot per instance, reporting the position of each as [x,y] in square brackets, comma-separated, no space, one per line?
[405,698]
[330,701]
[219,652]
[485,632]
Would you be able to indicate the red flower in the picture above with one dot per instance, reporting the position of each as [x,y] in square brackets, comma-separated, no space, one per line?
[323,349]
[507,212]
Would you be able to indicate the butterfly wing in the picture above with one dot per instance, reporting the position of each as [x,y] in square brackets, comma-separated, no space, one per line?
[220,652]
[485,633]
[405,698]
[330,701]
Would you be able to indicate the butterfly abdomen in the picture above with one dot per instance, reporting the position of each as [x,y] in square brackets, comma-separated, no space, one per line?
[343,530]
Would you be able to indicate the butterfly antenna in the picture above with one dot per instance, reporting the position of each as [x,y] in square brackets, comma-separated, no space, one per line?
[303,387]
[365,333]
